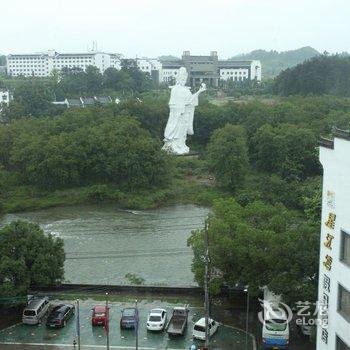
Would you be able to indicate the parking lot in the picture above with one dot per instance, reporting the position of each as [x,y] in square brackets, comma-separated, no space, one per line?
[226,337]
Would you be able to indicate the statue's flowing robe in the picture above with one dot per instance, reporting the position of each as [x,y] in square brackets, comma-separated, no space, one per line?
[180,123]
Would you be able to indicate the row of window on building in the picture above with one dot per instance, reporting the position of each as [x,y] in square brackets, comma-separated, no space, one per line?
[344,294]
[235,73]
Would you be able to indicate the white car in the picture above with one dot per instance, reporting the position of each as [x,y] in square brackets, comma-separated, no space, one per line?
[156,320]
[199,328]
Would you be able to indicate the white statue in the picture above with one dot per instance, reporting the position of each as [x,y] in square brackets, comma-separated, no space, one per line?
[180,123]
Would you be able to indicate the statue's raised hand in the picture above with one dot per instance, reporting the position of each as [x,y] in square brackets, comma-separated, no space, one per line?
[202,88]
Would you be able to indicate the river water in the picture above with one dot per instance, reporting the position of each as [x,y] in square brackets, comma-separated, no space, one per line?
[103,243]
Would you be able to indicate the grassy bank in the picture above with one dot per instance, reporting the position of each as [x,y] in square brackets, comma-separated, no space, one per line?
[191,183]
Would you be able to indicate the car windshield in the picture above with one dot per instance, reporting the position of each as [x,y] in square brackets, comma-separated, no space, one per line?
[199,328]
[276,325]
[56,314]
[99,314]
[155,318]
[29,313]
[128,312]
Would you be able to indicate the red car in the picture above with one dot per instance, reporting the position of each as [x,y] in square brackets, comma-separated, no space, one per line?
[99,315]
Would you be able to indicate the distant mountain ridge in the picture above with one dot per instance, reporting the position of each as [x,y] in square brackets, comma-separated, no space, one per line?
[273,62]
[165,58]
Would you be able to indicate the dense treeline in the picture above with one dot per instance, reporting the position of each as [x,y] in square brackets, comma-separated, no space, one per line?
[81,147]
[318,76]
[34,96]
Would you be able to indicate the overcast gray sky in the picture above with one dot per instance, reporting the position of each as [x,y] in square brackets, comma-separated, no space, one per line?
[155,27]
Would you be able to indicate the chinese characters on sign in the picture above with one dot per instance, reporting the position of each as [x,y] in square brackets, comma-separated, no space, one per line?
[331,199]
[330,223]
[327,263]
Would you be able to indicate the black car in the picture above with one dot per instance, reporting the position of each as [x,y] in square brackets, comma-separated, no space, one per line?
[129,318]
[59,315]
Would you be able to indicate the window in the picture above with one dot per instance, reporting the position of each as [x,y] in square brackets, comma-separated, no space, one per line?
[344,302]
[341,345]
[345,248]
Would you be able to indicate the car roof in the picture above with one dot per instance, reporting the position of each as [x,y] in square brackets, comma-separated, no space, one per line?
[100,308]
[61,307]
[201,322]
[129,311]
[275,313]
[156,311]
[33,304]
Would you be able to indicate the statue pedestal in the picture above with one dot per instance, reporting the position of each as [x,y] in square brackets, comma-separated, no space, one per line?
[190,154]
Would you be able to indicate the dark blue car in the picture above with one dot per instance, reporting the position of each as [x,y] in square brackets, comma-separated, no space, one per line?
[129,318]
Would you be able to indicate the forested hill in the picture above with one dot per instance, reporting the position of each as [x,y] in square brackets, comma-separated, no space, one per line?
[320,75]
[273,62]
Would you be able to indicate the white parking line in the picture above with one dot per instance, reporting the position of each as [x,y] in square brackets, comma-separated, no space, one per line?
[82,345]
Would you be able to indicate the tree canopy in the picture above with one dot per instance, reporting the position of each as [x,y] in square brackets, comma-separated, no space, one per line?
[228,156]
[82,147]
[259,245]
[285,149]
[29,259]
[318,76]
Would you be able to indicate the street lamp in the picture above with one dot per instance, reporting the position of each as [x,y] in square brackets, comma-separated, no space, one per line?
[246,290]
[107,321]
[137,326]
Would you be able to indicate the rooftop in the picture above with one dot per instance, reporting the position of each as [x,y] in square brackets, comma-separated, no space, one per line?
[337,133]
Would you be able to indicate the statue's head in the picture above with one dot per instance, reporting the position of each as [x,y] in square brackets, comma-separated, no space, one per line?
[182,76]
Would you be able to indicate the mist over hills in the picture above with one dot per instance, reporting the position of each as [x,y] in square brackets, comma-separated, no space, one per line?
[273,62]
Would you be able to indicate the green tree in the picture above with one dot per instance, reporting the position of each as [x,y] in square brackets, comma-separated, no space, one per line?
[228,156]
[119,80]
[325,74]
[83,147]
[93,80]
[29,259]
[2,60]
[287,150]
[259,245]
[32,98]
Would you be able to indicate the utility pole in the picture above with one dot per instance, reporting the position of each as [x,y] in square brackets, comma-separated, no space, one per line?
[206,287]
[78,324]
[107,321]
[137,326]
[247,319]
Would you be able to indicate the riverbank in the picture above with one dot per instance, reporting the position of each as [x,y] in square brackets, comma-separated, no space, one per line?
[191,184]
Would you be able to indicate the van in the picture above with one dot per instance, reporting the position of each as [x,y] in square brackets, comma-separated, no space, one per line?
[35,311]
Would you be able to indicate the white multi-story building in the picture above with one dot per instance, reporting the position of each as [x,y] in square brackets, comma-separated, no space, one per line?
[240,70]
[211,70]
[42,64]
[152,66]
[334,275]
[200,68]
